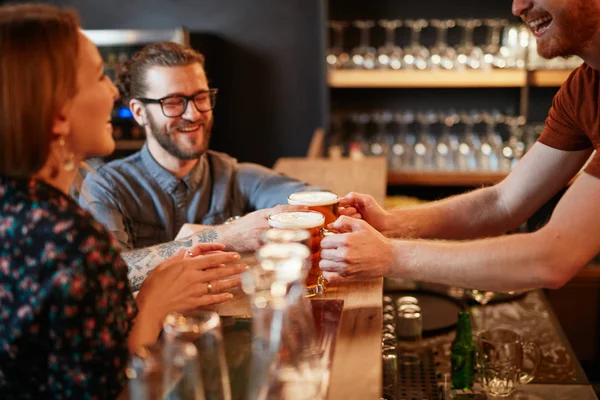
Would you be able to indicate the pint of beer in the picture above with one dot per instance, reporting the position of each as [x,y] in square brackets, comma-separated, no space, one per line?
[324,202]
[312,222]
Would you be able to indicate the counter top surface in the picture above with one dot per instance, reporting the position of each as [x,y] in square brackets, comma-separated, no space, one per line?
[356,366]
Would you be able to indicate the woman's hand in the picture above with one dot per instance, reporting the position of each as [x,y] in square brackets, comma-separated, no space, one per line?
[188,280]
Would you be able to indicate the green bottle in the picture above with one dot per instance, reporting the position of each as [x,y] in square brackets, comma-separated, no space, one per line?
[463,354]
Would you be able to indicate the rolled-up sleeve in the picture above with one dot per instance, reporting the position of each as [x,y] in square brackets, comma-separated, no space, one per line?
[264,188]
[98,197]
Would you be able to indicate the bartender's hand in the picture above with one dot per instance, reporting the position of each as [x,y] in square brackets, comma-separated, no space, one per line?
[357,205]
[244,234]
[361,252]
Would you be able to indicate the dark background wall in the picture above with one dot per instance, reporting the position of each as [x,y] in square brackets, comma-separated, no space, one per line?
[266,57]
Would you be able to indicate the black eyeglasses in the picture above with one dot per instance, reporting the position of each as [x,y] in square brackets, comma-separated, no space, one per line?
[175,106]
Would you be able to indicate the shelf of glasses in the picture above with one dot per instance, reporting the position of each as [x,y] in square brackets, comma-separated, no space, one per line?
[426,79]
[445,178]
[129,144]
[549,77]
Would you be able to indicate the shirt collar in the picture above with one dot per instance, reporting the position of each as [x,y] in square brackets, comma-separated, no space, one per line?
[167,180]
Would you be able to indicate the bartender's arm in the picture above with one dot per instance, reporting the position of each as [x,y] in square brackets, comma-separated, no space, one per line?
[546,258]
[483,212]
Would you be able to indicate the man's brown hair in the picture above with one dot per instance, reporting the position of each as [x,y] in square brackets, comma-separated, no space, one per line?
[131,78]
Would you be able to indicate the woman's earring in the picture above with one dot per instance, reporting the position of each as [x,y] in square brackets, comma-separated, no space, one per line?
[68,159]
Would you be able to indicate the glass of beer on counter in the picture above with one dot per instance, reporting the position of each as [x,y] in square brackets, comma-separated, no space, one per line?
[313,222]
[324,202]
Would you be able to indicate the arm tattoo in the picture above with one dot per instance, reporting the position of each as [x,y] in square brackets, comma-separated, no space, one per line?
[206,236]
[141,262]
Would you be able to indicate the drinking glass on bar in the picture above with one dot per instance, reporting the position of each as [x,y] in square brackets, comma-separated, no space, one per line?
[409,331]
[157,372]
[314,223]
[506,360]
[324,202]
[202,329]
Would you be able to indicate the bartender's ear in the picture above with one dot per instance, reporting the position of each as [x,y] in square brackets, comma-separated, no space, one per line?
[139,111]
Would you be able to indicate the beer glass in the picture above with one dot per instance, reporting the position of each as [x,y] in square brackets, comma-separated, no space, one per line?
[501,354]
[324,202]
[159,372]
[313,222]
[275,235]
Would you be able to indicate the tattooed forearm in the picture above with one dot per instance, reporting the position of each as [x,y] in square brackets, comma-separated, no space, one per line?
[142,261]
[168,249]
[207,236]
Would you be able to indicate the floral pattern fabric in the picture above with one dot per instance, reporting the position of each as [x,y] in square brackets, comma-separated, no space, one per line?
[66,307]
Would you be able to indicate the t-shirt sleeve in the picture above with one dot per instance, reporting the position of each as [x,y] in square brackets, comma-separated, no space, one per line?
[563,130]
[92,314]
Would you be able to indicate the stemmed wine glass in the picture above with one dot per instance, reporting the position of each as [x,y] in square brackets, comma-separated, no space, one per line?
[416,55]
[493,56]
[491,144]
[380,142]
[466,159]
[358,141]
[447,145]
[390,54]
[442,56]
[337,57]
[402,149]
[364,55]
[424,148]
[515,42]
[515,140]
[469,55]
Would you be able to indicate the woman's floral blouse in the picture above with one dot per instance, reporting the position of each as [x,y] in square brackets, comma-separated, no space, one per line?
[65,303]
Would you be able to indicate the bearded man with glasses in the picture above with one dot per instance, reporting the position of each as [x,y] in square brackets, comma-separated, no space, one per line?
[175,192]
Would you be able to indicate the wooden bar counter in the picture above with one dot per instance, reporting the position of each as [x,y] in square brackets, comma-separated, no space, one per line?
[356,367]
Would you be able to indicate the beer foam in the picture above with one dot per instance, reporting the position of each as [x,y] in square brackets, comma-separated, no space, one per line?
[297,220]
[313,198]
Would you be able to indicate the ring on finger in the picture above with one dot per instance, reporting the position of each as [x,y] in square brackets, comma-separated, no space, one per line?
[188,253]
[209,287]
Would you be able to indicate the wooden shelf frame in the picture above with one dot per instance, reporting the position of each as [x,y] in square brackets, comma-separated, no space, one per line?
[425,79]
[496,78]
[549,77]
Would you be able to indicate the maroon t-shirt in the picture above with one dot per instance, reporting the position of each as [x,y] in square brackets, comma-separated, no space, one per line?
[573,122]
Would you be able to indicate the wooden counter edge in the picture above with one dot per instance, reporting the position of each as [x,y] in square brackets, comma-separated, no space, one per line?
[356,367]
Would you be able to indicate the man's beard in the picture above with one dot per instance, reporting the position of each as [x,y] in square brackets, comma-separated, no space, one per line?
[165,139]
[575,28]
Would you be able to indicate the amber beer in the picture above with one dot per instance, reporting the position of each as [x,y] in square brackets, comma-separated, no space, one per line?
[313,222]
[324,202]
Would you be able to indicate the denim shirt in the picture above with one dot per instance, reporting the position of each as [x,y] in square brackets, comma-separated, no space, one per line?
[143,204]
